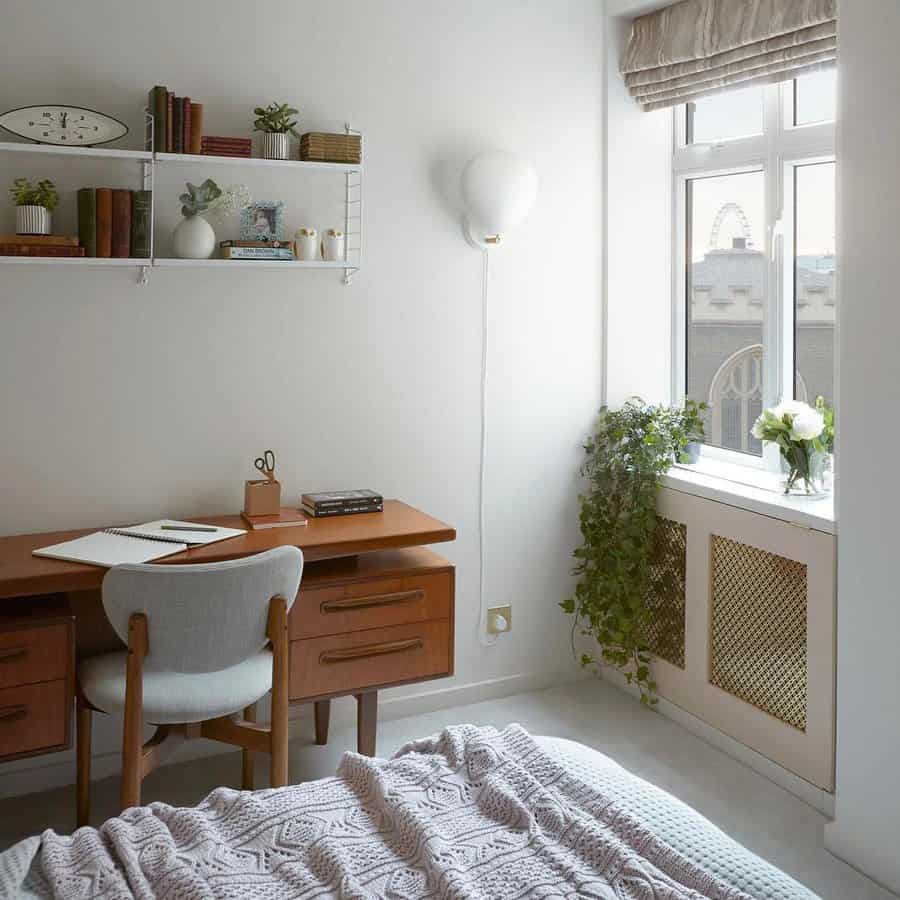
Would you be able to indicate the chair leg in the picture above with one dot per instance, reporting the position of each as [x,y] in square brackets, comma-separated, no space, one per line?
[132,731]
[83,762]
[247,755]
[278,635]
[323,717]
[366,722]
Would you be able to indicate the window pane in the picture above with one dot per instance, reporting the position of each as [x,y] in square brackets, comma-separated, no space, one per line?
[814,287]
[815,97]
[726,280]
[724,117]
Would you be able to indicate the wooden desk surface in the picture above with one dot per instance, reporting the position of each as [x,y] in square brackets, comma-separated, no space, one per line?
[400,525]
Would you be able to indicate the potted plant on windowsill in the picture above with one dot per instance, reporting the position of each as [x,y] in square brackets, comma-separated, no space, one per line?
[274,121]
[696,433]
[34,204]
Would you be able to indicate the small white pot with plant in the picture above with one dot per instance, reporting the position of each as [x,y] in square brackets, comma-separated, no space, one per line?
[194,237]
[805,438]
[275,123]
[34,203]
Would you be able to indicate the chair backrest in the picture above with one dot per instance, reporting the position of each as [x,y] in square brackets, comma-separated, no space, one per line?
[202,618]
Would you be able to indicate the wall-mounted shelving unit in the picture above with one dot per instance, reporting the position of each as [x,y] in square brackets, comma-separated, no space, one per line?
[149,161]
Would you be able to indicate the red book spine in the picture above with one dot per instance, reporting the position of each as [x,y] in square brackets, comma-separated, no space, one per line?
[170,121]
[186,124]
[121,223]
[104,222]
[38,250]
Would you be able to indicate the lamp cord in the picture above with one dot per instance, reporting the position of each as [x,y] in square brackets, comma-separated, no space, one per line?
[484,638]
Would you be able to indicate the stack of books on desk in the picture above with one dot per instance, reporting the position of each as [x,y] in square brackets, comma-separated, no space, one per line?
[341,503]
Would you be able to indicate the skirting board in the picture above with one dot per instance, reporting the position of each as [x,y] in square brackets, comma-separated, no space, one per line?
[793,784]
[36,777]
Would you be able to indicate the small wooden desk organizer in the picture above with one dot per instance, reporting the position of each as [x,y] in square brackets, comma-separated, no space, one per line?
[262,498]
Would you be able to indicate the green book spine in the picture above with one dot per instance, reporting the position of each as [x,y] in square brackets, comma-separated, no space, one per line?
[159,106]
[140,224]
[87,220]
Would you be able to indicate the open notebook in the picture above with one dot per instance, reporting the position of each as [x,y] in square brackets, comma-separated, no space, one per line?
[134,544]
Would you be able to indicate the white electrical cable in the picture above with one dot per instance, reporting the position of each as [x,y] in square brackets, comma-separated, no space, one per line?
[486,640]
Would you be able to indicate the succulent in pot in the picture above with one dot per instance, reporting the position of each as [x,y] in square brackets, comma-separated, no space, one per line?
[276,123]
[34,204]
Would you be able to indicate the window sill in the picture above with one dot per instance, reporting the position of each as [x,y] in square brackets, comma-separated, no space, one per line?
[752,489]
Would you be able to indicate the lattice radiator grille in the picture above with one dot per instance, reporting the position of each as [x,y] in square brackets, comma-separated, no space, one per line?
[758,648]
[665,601]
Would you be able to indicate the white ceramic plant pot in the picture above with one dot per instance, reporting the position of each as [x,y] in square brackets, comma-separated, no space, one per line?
[193,238]
[274,145]
[32,220]
[333,245]
[306,244]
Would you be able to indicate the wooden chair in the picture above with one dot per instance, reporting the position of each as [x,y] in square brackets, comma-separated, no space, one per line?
[197,658]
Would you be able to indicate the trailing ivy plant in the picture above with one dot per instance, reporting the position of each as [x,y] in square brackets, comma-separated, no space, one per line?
[630,449]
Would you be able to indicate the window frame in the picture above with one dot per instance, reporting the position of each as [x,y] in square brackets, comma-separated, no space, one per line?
[777,152]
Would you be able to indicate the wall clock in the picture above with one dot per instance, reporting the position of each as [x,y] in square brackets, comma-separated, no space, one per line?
[70,126]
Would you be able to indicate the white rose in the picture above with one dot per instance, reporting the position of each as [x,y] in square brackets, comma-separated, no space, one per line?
[757,429]
[807,425]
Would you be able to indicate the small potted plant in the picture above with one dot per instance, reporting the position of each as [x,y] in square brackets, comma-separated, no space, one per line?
[275,122]
[694,430]
[34,203]
[194,237]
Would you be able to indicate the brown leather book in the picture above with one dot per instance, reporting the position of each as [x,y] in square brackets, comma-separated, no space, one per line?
[39,250]
[104,222]
[185,124]
[285,518]
[52,240]
[121,223]
[170,122]
[177,126]
[196,126]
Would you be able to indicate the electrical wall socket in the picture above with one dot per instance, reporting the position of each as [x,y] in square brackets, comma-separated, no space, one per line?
[494,614]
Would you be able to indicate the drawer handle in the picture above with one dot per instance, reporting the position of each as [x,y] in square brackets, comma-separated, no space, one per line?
[11,653]
[339,656]
[332,606]
[13,713]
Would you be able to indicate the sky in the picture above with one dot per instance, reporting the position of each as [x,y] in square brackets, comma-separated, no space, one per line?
[740,113]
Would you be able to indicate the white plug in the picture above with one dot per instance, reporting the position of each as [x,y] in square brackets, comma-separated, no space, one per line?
[499,619]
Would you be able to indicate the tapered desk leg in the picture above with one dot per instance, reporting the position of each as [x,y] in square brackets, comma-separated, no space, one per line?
[366,722]
[83,761]
[323,717]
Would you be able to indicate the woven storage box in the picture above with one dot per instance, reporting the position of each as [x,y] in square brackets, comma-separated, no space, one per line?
[317,146]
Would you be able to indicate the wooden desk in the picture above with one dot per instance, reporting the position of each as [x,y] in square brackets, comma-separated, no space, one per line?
[375,608]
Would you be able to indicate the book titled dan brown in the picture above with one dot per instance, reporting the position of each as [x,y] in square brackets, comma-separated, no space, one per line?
[121,223]
[285,518]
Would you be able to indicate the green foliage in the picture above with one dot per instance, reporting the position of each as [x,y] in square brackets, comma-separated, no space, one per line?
[693,421]
[275,118]
[43,194]
[199,198]
[826,438]
[630,450]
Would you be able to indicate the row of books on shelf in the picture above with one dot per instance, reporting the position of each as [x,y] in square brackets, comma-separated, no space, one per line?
[177,122]
[114,222]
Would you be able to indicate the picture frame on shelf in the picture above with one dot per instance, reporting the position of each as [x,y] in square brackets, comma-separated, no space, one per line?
[262,220]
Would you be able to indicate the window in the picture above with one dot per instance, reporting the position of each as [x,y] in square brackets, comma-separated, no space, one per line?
[754,255]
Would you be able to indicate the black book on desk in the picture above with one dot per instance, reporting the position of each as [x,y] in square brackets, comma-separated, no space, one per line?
[341,503]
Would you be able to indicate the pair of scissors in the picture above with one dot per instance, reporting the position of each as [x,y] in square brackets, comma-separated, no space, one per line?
[266,464]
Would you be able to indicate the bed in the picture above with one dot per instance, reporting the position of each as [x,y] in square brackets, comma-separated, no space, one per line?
[470,812]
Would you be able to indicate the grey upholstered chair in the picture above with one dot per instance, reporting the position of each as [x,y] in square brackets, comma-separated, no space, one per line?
[198,654]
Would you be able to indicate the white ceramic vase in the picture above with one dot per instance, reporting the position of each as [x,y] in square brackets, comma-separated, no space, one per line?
[193,238]
[333,245]
[274,145]
[32,220]
[306,244]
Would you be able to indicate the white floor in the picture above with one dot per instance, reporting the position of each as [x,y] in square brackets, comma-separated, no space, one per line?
[762,816]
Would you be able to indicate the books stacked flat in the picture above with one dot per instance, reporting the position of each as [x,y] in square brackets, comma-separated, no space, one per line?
[114,223]
[268,250]
[285,518]
[225,146]
[177,122]
[317,146]
[341,503]
[40,245]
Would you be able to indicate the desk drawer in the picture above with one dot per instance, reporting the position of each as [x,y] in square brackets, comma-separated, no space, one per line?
[33,717]
[29,655]
[374,603]
[378,657]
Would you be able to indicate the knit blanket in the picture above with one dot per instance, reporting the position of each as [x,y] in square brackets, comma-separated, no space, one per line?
[469,813]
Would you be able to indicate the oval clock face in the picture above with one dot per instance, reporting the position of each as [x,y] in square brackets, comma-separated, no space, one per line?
[69,126]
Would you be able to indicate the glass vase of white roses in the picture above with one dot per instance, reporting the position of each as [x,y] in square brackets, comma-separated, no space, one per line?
[804,435]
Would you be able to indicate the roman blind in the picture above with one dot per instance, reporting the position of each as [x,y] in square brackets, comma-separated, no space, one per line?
[698,47]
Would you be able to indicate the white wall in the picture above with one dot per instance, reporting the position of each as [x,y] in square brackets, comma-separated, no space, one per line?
[868,734]
[121,403]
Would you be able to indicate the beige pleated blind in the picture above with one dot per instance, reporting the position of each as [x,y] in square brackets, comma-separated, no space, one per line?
[699,47]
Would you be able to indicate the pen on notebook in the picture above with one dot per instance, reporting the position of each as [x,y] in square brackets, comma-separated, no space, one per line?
[187,528]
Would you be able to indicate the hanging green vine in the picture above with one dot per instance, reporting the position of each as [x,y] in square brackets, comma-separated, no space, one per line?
[630,450]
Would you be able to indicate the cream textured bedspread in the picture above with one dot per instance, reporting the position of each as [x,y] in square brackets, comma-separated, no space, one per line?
[472,812]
